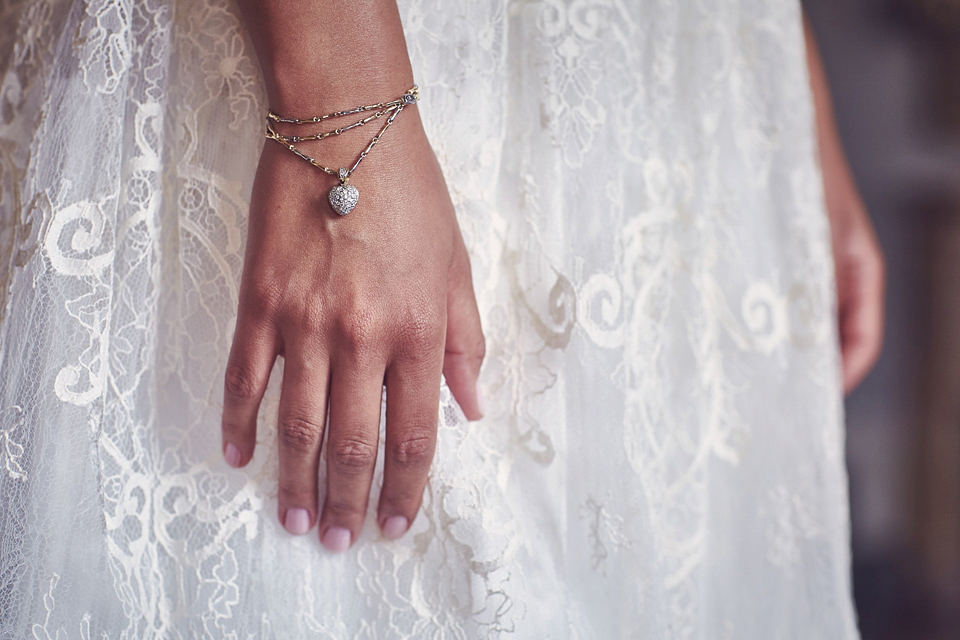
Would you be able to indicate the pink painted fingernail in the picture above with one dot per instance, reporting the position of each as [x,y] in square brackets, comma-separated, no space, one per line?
[394,527]
[297,521]
[336,539]
[232,455]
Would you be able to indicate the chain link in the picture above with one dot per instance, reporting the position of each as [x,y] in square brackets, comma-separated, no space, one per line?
[394,107]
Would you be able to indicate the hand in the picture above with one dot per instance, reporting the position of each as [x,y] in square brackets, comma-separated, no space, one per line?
[381,296]
[860,277]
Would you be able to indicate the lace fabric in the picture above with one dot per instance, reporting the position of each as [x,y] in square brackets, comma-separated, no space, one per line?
[662,454]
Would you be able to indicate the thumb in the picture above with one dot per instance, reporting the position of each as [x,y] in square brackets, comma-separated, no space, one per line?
[465,346]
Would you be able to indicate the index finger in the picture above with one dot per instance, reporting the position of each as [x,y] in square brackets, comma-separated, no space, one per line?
[252,354]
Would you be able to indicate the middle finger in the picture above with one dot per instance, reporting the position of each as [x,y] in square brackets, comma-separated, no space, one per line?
[356,392]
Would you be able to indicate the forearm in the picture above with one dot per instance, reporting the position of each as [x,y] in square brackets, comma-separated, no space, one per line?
[839,186]
[321,55]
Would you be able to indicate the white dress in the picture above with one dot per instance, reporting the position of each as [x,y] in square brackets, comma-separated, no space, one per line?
[636,181]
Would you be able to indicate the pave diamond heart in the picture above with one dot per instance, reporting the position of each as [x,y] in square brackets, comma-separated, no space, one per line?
[343,198]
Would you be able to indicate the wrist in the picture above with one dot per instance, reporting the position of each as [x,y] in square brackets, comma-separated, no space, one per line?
[341,155]
[300,89]
[339,140]
[325,56]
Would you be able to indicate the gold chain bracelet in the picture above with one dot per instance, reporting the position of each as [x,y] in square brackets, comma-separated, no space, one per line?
[343,197]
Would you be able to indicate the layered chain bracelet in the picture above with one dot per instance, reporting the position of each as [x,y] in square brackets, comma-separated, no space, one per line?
[343,197]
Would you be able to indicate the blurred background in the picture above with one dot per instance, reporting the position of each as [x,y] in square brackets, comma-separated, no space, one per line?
[894,71]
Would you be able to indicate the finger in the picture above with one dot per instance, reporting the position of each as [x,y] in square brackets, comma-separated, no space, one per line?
[465,345]
[252,354]
[300,424]
[861,322]
[356,391]
[413,402]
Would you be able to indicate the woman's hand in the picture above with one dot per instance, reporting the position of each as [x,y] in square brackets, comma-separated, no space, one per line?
[859,266]
[858,260]
[381,296]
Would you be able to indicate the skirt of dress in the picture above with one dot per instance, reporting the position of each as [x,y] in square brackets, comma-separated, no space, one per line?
[662,455]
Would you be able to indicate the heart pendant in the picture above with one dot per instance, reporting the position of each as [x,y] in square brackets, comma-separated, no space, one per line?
[343,198]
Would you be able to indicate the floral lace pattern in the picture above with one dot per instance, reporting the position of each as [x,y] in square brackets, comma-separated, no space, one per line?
[638,191]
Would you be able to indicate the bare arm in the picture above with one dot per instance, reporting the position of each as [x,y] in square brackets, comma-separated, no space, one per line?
[324,54]
[382,296]
[858,260]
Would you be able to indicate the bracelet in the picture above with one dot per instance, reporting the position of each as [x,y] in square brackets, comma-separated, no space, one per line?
[343,197]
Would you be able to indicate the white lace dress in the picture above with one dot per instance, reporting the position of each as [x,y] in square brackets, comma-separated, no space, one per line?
[636,181]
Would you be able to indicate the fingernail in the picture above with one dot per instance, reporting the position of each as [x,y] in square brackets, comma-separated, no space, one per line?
[394,527]
[297,521]
[336,539]
[232,455]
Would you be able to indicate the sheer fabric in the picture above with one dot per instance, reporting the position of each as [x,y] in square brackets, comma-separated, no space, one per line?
[662,455]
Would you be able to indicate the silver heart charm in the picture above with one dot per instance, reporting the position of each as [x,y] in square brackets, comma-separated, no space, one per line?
[343,198]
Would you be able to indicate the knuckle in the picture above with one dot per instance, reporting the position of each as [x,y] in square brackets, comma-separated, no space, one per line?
[264,297]
[309,317]
[291,492]
[358,333]
[239,382]
[299,434]
[303,316]
[421,330]
[412,450]
[343,510]
[405,499]
[233,430]
[352,455]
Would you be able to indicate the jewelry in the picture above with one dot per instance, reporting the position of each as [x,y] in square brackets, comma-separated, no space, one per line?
[343,197]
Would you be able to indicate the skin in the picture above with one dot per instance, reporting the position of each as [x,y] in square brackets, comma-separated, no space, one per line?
[384,296]
[381,296]
[858,259]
